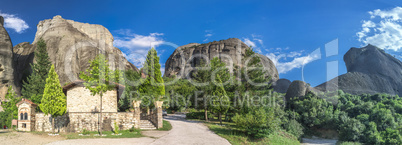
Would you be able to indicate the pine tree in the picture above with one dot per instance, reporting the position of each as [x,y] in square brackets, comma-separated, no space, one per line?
[35,85]
[98,80]
[153,85]
[254,82]
[10,107]
[54,100]
[220,101]
[205,76]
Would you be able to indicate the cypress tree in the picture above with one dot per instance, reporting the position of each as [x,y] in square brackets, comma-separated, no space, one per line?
[153,84]
[53,101]
[35,85]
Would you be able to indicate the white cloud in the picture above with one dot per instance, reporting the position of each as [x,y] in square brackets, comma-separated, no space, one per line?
[136,46]
[254,42]
[13,22]
[297,62]
[208,35]
[385,32]
[249,42]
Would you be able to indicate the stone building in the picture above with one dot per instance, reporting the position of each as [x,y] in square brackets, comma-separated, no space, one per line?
[26,115]
[83,112]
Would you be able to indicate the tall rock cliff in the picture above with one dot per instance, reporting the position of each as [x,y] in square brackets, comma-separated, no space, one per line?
[6,56]
[370,70]
[70,46]
[184,58]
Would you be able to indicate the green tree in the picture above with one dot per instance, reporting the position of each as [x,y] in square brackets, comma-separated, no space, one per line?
[10,107]
[54,100]
[153,84]
[131,89]
[220,101]
[207,79]
[35,85]
[98,80]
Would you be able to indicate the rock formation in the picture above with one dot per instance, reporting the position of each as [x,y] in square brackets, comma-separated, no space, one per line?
[370,70]
[70,46]
[6,55]
[297,89]
[184,58]
[281,85]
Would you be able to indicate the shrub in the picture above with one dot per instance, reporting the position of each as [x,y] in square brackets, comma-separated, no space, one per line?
[132,129]
[85,132]
[294,128]
[351,130]
[116,128]
[198,115]
[257,123]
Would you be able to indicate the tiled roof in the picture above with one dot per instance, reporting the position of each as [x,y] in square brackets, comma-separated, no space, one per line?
[26,101]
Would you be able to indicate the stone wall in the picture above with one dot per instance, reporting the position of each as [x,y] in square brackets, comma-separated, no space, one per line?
[79,99]
[76,122]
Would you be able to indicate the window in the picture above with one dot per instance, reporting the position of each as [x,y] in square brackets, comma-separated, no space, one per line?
[24,125]
[25,116]
[21,116]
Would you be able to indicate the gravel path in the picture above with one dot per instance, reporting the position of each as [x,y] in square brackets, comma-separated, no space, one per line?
[183,132]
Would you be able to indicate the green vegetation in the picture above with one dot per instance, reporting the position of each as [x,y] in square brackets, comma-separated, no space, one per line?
[98,79]
[194,114]
[166,126]
[54,102]
[116,128]
[237,137]
[153,85]
[35,85]
[10,108]
[371,119]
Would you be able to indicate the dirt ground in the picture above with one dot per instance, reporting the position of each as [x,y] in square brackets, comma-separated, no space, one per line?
[8,137]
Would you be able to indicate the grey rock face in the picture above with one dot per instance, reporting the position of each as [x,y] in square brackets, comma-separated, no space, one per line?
[70,46]
[23,57]
[297,89]
[232,50]
[1,21]
[6,57]
[370,70]
[281,85]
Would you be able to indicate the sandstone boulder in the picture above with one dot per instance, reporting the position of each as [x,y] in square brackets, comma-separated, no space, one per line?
[230,51]
[70,46]
[6,59]
[281,85]
[297,89]
[370,70]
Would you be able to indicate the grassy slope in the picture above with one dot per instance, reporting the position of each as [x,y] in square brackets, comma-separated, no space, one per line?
[239,138]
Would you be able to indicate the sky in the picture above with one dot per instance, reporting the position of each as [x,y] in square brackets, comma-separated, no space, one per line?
[305,39]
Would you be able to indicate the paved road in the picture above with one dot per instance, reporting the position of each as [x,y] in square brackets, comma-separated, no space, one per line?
[183,132]
[318,141]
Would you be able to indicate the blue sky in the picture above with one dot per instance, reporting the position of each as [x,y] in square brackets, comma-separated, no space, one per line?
[286,31]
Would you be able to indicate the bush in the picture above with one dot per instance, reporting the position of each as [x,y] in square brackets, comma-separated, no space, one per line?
[257,123]
[294,128]
[132,129]
[198,115]
[85,132]
[116,128]
[351,131]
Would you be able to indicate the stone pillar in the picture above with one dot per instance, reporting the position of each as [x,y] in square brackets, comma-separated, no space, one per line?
[137,113]
[158,106]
